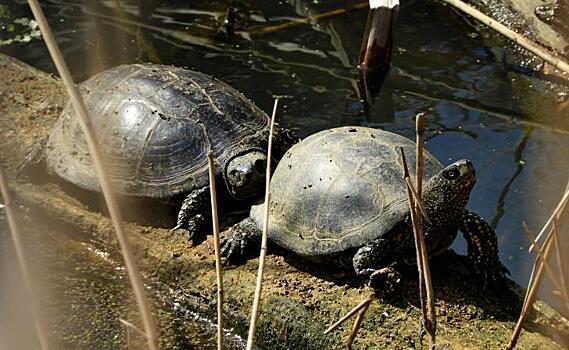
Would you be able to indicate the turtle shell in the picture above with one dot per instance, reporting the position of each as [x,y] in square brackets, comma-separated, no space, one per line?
[339,189]
[155,125]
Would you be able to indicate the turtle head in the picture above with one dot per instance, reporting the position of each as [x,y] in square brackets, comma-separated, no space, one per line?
[245,175]
[447,192]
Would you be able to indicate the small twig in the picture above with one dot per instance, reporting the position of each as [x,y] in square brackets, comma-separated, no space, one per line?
[216,244]
[21,255]
[307,20]
[356,326]
[531,292]
[259,286]
[426,287]
[534,48]
[548,269]
[352,312]
[91,139]
[559,209]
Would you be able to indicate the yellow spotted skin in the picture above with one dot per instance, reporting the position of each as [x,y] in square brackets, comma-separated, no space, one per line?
[482,249]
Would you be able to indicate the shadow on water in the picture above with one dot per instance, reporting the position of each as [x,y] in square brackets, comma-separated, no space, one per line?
[509,124]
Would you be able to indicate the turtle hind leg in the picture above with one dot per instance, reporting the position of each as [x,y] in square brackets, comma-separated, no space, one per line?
[369,261]
[242,243]
[482,246]
[34,162]
[194,215]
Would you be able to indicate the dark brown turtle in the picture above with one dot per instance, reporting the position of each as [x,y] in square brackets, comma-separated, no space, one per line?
[155,125]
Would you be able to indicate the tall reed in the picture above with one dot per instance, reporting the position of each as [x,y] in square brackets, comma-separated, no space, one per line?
[41,329]
[93,145]
[259,285]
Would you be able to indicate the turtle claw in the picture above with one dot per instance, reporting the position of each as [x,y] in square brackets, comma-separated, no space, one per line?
[492,275]
[233,250]
[386,282]
[193,227]
[240,245]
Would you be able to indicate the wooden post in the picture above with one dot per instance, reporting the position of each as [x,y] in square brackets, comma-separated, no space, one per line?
[375,53]
[229,22]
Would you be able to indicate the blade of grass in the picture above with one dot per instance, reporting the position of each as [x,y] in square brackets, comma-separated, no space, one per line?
[90,137]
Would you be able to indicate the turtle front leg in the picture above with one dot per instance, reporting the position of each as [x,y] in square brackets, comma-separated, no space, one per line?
[243,242]
[483,250]
[369,261]
[194,215]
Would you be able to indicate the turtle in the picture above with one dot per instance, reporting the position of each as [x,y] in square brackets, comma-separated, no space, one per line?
[155,126]
[339,198]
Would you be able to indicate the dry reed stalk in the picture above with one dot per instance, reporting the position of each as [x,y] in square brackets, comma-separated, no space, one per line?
[547,266]
[556,215]
[309,19]
[130,325]
[420,132]
[534,48]
[417,200]
[531,293]
[263,254]
[21,255]
[356,326]
[425,285]
[363,304]
[560,260]
[218,266]
[90,137]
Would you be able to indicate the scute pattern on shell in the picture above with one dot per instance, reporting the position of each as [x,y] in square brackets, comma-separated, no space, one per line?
[339,189]
[155,125]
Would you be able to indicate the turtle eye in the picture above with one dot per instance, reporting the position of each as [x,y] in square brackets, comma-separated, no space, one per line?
[451,174]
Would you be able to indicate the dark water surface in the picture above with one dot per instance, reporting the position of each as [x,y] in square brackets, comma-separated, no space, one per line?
[442,66]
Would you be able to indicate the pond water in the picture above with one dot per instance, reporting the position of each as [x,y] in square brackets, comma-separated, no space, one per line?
[479,103]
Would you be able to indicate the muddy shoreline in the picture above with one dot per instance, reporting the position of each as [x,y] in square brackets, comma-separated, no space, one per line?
[299,301]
